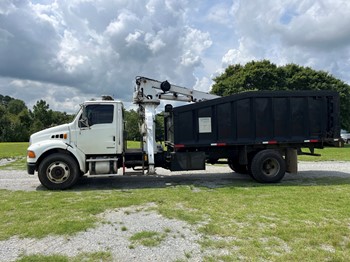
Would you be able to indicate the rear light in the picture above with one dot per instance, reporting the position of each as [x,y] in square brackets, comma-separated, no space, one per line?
[270,142]
[218,144]
[311,141]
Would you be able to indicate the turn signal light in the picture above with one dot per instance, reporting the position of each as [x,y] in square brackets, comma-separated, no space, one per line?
[31,154]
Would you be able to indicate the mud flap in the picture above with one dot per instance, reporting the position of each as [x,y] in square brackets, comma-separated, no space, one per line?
[291,161]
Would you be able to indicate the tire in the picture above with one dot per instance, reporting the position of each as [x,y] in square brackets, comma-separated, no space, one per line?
[268,166]
[236,167]
[58,171]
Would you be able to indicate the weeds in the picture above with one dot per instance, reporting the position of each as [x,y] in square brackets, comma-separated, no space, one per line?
[148,238]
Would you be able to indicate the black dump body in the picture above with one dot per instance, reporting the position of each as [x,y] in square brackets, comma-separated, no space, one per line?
[255,118]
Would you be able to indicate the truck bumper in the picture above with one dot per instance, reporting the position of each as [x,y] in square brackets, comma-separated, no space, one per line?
[31,168]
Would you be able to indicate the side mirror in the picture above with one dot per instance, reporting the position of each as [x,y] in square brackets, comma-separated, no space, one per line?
[83,120]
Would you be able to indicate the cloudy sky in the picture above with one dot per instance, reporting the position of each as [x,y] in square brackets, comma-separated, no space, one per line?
[67,51]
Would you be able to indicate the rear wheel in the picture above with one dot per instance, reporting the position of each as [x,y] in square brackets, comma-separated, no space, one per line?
[58,171]
[268,166]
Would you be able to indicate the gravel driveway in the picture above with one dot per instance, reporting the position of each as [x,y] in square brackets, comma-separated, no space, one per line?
[212,177]
[180,239]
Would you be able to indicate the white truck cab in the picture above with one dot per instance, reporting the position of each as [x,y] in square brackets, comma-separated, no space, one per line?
[92,142]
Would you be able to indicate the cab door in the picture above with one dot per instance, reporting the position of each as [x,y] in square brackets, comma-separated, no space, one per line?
[97,129]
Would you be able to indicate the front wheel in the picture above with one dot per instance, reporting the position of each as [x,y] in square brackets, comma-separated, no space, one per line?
[268,166]
[58,171]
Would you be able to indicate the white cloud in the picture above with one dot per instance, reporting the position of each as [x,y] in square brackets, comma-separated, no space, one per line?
[310,33]
[221,13]
[241,55]
[155,43]
[196,40]
[60,98]
[68,55]
[88,48]
[322,24]
[6,7]
[49,13]
[203,84]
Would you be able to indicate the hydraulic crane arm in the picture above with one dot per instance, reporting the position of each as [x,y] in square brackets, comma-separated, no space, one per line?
[147,94]
[150,89]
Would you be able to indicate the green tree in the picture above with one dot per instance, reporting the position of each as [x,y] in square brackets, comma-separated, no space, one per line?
[160,127]
[17,122]
[261,75]
[264,75]
[5,124]
[59,118]
[41,115]
[16,106]
[24,124]
[4,100]
[132,121]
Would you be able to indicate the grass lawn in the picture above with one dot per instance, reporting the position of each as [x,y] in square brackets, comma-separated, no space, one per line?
[251,221]
[245,220]
[13,150]
[329,154]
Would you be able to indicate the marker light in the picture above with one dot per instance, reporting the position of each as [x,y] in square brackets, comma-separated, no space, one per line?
[31,154]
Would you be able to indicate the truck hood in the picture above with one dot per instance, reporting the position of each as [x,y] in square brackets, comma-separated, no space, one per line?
[57,132]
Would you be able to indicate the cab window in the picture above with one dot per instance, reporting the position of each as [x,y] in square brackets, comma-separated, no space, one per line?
[98,114]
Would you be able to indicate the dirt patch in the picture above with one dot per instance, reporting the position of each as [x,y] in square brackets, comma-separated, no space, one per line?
[5,161]
[113,234]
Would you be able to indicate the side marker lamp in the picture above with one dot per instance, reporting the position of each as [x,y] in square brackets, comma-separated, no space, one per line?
[31,154]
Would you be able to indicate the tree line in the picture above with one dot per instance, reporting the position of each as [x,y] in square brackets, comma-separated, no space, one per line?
[17,122]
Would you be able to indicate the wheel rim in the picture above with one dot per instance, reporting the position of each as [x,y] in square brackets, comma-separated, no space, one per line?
[58,172]
[271,167]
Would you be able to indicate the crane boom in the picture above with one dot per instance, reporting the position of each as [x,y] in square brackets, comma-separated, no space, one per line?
[147,94]
[150,89]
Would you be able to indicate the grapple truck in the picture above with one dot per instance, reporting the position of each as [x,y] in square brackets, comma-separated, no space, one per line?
[257,133]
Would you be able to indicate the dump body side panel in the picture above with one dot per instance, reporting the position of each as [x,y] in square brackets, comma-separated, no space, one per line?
[256,117]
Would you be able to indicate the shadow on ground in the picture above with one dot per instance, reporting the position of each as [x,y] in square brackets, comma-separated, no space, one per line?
[209,180]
